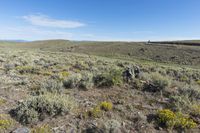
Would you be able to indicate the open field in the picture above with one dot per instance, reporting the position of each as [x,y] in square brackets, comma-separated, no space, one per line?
[173,54]
[66,86]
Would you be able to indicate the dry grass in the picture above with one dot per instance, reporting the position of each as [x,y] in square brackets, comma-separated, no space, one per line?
[38,79]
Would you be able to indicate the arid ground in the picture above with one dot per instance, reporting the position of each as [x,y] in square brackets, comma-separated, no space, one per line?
[67,87]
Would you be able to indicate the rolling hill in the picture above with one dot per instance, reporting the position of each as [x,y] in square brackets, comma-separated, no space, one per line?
[162,53]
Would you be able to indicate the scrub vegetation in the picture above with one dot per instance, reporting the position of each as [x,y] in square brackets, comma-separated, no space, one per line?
[64,86]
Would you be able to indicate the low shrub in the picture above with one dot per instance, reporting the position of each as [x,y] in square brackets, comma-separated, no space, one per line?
[184,121]
[112,126]
[112,78]
[180,103]
[183,78]
[102,80]
[27,69]
[42,129]
[106,106]
[80,65]
[72,81]
[137,84]
[2,101]
[82,81]
[51,85]
[175,120]
[192,91]
[5,122]
[86,82]
[160,81]
[96,112]
[195,110]
[38,107]
[198,82]
[116,76]
[46,73]
[63,75]
[157,82]
[184,97]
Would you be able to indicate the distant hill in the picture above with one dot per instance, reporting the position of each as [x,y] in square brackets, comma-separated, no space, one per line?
[13,41]
[159,52]
[184,42]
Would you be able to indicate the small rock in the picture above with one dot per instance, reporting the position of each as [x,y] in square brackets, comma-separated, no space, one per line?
[137,72]
[123,124]
[141,116]
[160,128]
[119,108]
[22,130]
[128,74]
[2,60]
[9,66]
[36,61]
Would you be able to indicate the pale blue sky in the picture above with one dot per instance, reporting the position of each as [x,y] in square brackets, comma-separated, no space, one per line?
[121,20]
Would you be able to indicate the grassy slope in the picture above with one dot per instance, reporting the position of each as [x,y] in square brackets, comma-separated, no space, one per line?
[179,55]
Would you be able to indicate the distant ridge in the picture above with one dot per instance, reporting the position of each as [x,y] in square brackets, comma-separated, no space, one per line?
[13,41]
[184,42]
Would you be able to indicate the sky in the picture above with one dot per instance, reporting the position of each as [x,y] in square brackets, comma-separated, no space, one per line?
[100,20]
